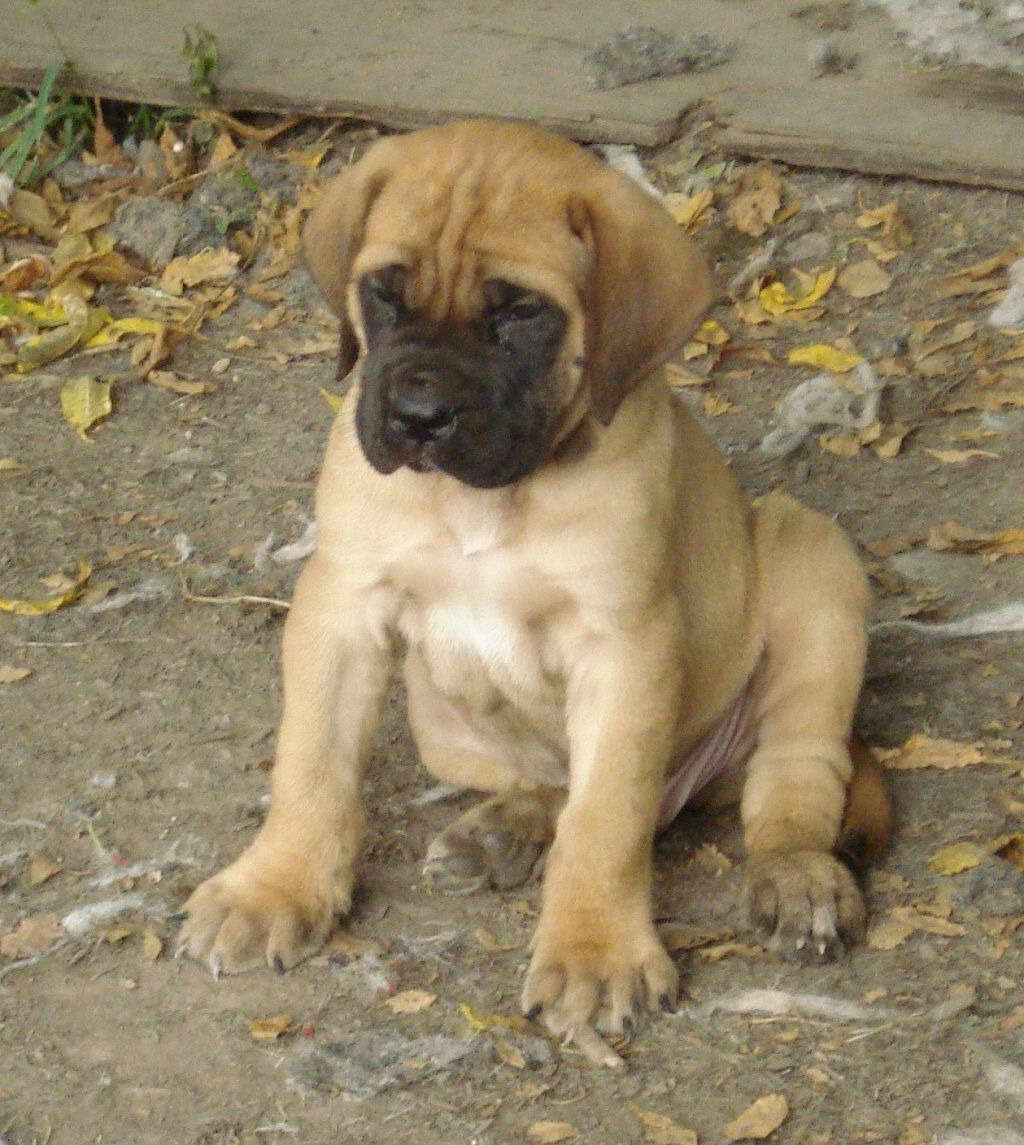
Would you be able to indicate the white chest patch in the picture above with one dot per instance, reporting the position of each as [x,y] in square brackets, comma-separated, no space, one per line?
[475,630]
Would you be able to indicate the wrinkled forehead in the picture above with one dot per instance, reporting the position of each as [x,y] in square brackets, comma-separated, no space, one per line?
[459,222]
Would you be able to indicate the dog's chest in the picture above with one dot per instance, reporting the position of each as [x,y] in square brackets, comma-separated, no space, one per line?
[474,609]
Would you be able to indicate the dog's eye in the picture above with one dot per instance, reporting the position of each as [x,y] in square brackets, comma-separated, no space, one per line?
[382,294]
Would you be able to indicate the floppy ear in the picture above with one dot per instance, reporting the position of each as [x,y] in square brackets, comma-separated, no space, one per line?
[649,286]
[333,236]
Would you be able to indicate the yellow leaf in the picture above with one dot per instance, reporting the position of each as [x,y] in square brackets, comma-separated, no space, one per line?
[410,1001]
[333,400]
[711,333]
[168,380]
[116,330]
[44,348]
[52,603]
[759,1120]
[959,456]
[957,857]
[776,299]
[480,1022]
[11,675]
[85,400]
[688,209]
[270,1029]
[715,405]
[662,1130]
[924,751]
[550,1132]
[823,357]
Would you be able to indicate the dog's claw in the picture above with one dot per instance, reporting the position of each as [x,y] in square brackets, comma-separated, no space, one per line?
[216,967]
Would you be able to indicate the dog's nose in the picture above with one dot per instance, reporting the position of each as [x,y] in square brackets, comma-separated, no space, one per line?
[420,413]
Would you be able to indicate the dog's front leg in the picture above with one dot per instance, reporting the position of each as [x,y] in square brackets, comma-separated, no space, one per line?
[276,902]
[596,955]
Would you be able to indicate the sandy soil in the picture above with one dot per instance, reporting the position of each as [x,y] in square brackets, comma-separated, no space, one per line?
[143,734]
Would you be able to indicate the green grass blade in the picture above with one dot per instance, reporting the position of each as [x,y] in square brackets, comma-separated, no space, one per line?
[14,158]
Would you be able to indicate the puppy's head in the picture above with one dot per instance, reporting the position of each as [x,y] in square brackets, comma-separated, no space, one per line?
[498,285]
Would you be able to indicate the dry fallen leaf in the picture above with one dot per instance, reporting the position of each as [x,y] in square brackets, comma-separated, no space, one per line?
[32,936]
[776,299]
[959,456]
[550,1132]
[480,1022]
[758,197]
[864,279]
[688,210]
[42,868]
[353,946]
[168,380]
[85,400]
[508,1053]
[152,946]
[11,675]
[823,357]
[715,405]
[51,603]
[270,1029]
[956,858]
[662,1130]
[888,933]
[410,1001]
[760,1120]
[895,233]
[925,751]
[193,270]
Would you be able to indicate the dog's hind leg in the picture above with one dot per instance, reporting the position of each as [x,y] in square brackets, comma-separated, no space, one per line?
[814,603]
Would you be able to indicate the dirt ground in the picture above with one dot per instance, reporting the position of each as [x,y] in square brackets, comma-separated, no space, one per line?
[133,756]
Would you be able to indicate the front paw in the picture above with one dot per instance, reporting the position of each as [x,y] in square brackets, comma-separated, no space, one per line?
[254,912]
[807,903]
[587,976]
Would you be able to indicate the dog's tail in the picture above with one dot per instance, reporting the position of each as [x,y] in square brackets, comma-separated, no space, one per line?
[867,820]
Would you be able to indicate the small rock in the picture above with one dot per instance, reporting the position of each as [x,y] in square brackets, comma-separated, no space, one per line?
[814,246]
[150,228]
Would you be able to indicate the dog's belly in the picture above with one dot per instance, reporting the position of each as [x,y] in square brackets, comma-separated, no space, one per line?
[489,684]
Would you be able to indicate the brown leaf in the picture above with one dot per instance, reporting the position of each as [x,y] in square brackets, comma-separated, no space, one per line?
[410,1001]
[104,146]
[11,675]
[353,946]
[662,1130]
[32,936]
[509,1054]
[925,751]
[888,933]
[88,214]
[152,945]
[959,456]
[41,869]
[864,279]
[25,273]
[758,197]
[550,1132]
[32,212]
[193,270]
[177,152]
[760,1120]
[895,234]
[168,380]
[270,1029]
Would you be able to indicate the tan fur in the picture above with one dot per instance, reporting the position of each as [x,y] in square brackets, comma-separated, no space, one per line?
[569,636]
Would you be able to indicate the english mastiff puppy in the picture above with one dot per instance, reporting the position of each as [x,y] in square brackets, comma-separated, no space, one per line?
[597,626]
